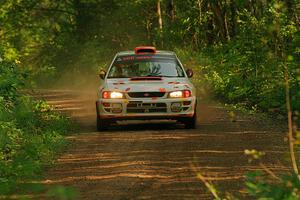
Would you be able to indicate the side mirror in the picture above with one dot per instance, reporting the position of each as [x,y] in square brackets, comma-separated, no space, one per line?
[189,73]
[102,74]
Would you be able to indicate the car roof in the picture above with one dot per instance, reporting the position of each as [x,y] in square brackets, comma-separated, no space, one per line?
[160,52]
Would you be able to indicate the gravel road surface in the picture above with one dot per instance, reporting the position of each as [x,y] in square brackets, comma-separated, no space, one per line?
[160,159]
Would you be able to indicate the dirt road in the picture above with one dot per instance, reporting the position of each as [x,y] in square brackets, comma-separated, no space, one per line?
[154,160]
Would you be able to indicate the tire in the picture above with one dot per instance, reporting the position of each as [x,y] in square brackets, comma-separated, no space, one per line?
[102,124]
[190,123]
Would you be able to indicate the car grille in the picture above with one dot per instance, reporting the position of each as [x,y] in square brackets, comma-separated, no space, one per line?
[139,107]
[145,94]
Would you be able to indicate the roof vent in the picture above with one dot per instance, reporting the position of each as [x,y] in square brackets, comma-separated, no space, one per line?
[145,49]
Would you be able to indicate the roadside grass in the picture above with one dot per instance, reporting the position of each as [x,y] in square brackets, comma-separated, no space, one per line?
[31,136]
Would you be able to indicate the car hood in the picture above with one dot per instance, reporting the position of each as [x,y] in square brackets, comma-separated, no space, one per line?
[165,84]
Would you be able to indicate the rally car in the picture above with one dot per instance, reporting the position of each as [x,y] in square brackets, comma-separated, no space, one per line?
[146,84]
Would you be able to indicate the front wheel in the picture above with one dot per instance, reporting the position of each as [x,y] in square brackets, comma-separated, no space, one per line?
[102,124]
[190,123]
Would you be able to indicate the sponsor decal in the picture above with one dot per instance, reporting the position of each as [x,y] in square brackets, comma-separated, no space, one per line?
[119,83]
[130,58]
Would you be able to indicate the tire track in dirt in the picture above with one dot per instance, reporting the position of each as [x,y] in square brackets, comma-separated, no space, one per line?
[154,160]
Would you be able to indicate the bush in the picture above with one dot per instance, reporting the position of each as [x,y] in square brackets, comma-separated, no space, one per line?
[245,72]
[31,133]
[284,188]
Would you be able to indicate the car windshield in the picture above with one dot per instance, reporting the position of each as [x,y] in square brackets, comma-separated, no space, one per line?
[145,66]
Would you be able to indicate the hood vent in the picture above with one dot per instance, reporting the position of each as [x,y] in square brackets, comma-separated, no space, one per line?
[150,78]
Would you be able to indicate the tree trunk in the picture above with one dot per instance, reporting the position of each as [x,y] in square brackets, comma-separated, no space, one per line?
[148,27]
[210,29]
[233,18]
[160,21]
[199,27]
[219,18]
[199,2]
[171,10]
[290,4]
[80,21]
[226,27]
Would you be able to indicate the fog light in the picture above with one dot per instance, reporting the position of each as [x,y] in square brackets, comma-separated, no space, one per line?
[186,103]
[176,107]
[116,108]
[106,105]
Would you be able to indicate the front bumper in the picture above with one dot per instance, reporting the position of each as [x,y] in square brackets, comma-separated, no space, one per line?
[164,108]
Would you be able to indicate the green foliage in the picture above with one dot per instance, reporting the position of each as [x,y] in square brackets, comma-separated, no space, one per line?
[238,49]
[62,193]
[32,29]
[30,132]
[287,188]
[249,69]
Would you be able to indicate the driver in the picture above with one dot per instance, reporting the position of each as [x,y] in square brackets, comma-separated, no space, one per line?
[119,70]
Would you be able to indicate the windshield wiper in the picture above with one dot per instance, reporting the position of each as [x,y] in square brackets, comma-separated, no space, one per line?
[169,76]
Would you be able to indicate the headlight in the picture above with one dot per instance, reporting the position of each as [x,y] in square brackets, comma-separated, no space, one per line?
[112,95]
[176,94]
[116,95]
[180,94]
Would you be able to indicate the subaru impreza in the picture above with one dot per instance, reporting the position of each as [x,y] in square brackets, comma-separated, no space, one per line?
[146,84]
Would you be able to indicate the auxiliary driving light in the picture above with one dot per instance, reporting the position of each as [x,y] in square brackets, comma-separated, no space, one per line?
[116,108]
[176,107]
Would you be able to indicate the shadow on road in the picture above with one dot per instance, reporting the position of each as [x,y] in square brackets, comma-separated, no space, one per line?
[90,126]
[152,159]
